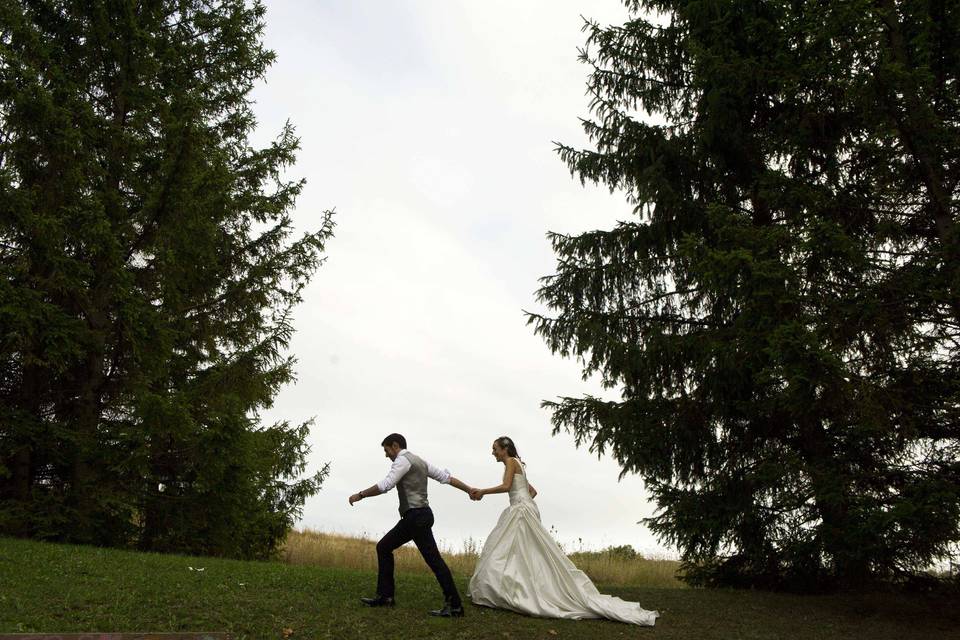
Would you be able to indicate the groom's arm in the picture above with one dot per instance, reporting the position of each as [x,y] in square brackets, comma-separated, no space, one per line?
[398,469]
[366,493]
[443,476]
[459,485]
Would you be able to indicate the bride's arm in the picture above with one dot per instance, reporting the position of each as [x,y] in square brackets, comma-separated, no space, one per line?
[533,492]
[511,468]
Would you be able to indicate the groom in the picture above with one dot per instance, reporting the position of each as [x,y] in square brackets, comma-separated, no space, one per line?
[409,475]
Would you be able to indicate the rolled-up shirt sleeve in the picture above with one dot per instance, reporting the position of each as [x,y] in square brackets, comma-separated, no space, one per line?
[440,475]
[399,468]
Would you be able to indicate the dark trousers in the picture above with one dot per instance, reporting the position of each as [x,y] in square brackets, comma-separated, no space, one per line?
[414,525]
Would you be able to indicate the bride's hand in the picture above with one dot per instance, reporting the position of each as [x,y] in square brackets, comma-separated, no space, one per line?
[475,494]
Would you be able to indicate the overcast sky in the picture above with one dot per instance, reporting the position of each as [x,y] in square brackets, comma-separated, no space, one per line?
[429,127]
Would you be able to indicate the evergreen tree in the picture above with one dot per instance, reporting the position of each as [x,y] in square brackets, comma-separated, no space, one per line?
[781,314]
[147,279]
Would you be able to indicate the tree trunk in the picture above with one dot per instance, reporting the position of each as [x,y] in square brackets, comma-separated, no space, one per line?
[87,419]
[21,481]
[832,497]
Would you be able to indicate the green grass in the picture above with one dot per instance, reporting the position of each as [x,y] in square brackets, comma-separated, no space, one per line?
[64,588]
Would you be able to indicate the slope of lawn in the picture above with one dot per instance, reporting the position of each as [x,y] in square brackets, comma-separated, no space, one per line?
[48,587]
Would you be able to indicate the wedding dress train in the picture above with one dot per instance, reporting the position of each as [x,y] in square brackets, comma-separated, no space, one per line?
[521,568]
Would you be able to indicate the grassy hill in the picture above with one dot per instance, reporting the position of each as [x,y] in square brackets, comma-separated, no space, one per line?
[611,567]
[65,588]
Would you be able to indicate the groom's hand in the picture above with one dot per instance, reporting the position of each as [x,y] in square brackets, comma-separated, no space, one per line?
[354,498]
[475,494]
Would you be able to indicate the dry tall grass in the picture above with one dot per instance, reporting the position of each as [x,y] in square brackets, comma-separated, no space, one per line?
[603,567]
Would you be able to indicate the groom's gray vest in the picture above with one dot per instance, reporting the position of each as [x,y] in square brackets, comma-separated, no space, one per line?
[412,488]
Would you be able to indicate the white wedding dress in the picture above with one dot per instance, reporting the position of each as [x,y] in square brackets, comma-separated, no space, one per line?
[522,569]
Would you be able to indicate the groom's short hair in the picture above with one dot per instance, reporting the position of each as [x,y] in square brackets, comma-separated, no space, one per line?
[394,438]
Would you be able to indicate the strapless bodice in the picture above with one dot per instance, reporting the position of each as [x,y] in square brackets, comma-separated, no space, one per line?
[520,490]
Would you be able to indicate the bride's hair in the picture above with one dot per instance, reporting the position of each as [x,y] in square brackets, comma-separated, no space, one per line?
[506,443]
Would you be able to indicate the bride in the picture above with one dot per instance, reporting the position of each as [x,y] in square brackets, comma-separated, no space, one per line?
[522,569]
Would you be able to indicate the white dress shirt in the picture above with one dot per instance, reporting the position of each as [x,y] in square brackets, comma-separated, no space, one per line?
[400,467]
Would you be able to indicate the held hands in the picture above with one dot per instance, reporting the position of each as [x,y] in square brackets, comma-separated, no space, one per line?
[475,494]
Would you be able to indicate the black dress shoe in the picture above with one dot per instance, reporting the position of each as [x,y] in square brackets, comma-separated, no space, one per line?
[379,601]
[449,611]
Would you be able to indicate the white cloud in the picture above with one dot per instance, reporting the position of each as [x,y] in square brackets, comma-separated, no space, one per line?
[429,126]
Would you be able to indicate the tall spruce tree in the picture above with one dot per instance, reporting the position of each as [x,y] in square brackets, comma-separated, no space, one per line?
[781,314]
[147,279]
